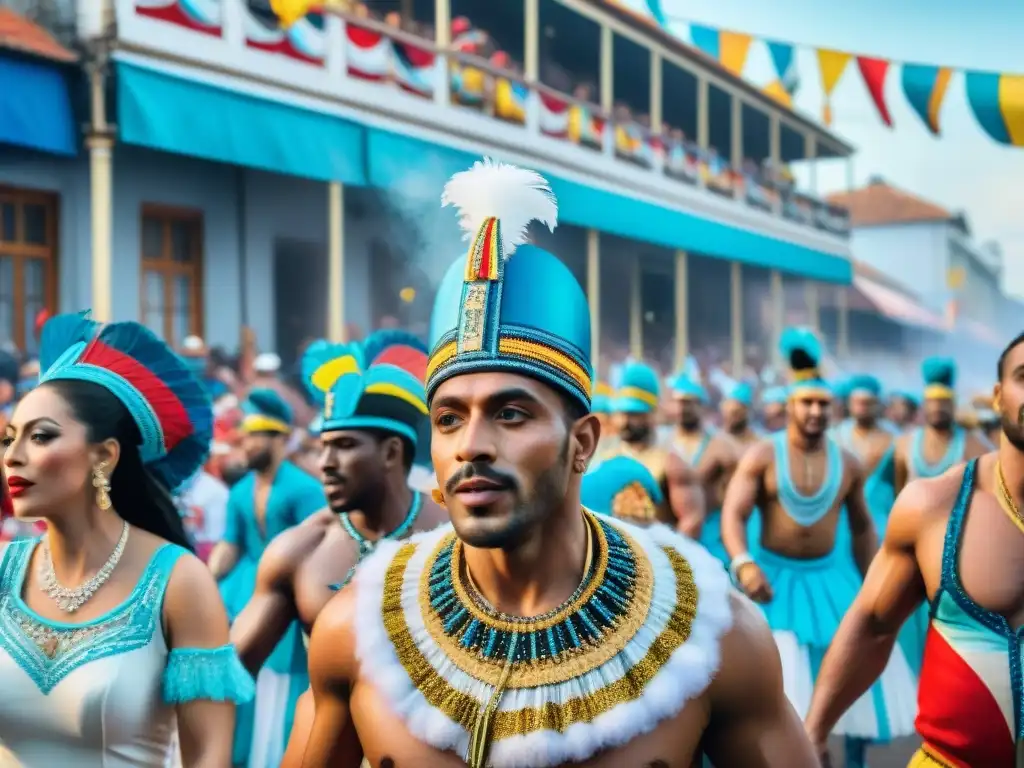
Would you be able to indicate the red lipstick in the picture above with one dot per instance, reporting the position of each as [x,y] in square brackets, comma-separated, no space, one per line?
[17,486]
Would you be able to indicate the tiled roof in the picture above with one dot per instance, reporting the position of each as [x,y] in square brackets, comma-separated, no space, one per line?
[19,34]
[880,203]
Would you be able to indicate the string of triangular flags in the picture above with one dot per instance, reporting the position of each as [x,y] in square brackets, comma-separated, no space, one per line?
[996,99]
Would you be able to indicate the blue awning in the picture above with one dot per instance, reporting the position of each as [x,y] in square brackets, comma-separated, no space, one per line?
[610,212]
[35,107]
[186,117]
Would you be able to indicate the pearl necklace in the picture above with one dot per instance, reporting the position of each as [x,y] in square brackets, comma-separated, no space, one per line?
[70,600]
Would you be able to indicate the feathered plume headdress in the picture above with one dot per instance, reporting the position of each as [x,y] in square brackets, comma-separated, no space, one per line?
[802,351]
[167,402]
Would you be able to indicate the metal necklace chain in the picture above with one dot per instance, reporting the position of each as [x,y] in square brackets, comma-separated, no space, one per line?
[366,546]
[70,600]
[1006,500]
[485,605]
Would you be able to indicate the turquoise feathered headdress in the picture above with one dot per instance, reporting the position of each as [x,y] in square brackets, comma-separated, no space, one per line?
[639,390]
[742,393]
[623,487]
[864,384]
[683,387]
[357,396]
[801,349]
[169,405]
[774,396]
[939,377]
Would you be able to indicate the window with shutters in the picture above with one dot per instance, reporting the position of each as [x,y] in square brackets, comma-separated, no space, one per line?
[172,272]
[28,264]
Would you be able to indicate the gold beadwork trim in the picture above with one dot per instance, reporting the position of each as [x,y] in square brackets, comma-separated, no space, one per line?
[543,353]
[464,709]
[441,356]
[531,350]
[806,374]
[550,671]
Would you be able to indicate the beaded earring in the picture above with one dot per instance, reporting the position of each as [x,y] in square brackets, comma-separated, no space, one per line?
[102,485]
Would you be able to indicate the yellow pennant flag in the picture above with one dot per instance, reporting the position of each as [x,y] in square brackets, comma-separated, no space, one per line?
[1011,104]
[832,65]
[733,48]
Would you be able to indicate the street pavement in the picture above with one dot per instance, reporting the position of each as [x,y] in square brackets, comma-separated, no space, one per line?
[894,755]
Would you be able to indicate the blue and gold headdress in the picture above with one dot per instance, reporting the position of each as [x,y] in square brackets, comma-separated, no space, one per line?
[623,487]
[801,349]
[939,378]
[508,306]
[356,394]
[264,410]
[638,391]
[601,402]
[169,405]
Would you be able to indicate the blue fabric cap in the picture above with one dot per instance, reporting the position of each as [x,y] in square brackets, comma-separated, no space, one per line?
[683,386]
[604,482]
[774,396]
[910,397]
[507,306]
[638,390]
[864,384]
[601,404]
[742,393]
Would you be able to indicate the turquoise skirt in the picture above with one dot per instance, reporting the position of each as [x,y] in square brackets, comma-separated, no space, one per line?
[711,535]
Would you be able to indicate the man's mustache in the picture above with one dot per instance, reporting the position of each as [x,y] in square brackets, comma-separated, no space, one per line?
[482,471]
[332,477]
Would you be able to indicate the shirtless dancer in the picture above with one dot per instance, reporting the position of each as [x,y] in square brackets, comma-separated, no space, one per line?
[957,542]
[930,450]
[712,454]
[428,657]
[371,419]
[800,479]
[635,406]
[736,408]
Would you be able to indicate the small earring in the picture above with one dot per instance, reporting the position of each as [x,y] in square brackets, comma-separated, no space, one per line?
[102,485]
[437,496]
[580,466]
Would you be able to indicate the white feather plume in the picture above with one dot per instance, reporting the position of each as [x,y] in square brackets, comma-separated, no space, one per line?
[515,196]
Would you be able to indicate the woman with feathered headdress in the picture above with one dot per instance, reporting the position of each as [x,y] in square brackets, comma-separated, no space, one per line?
[111,631]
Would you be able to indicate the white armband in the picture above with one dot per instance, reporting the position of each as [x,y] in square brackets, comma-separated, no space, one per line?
[738,562]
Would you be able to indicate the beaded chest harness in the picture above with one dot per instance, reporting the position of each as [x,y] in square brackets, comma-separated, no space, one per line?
[638,639]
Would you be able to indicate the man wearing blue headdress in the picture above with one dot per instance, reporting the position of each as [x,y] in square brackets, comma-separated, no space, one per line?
[955,544]
[711,454]
[773,409]
[736,407]
[800,479]
[533,632]
[902,409]
[931,449]
[621,487]
[272,497]
[371,424]
[635,409]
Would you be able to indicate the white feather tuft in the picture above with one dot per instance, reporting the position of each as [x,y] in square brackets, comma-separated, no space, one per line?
[515,196]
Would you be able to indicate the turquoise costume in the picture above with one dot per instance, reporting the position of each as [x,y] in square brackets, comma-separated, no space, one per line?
[639,391]
[812,595]
[262,728]
[621,487]
[358,392]
[939,375]
[431,646]
[103,693]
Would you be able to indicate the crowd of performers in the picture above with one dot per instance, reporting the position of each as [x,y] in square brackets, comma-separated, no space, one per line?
[584,586]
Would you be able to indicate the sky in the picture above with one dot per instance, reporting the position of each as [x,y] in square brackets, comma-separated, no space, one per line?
[963,169]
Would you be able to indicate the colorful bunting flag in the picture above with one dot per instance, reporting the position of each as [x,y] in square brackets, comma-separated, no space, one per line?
[654,8]
[784,60]
[733,48]
[832,65]
[874,71]
[997,102]
[706,39]
[925,87]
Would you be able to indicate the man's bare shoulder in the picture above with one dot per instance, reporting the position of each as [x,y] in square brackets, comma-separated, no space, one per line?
[759,456]
[678,471]
[749,665]
[852,464]
[332,645]
[926,500]
[291,547]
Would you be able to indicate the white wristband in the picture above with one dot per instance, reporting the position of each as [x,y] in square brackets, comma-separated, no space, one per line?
[738,562]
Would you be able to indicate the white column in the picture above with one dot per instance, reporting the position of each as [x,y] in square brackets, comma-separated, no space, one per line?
[101,172]
[656,92]
[778,294]
[843,321]
[682,313]
[636,310]
[811,295]
[336,262]
[736,119]
[531,41]
[736,317]
[703,105]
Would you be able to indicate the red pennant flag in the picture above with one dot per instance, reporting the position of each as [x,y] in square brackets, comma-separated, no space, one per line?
[874,71]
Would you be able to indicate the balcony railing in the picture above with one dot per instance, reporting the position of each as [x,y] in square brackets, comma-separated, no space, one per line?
[378,53]
[327,49]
